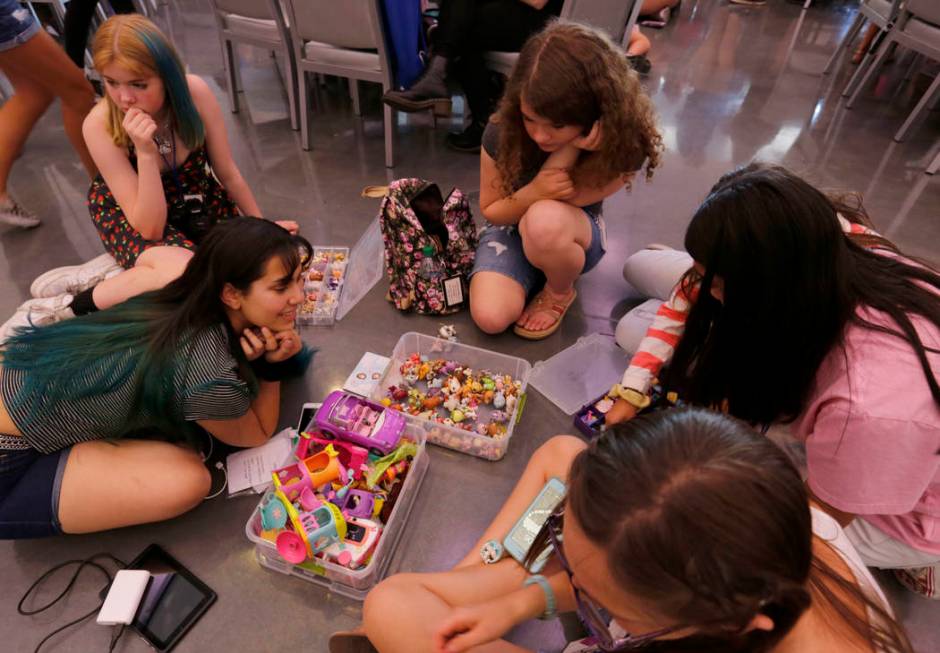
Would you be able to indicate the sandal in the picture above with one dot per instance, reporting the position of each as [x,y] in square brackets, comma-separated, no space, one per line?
[542,303]
[350,641]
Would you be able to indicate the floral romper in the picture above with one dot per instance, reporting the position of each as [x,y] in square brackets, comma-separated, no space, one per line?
[193,177]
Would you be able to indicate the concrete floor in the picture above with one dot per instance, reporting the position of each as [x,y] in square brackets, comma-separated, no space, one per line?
[730,84]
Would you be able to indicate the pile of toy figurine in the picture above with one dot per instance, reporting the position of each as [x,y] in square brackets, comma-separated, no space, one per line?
[322,509]
[448,392]
[322,283]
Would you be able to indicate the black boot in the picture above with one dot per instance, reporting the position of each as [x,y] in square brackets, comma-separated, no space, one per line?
[469,139]
[429,92]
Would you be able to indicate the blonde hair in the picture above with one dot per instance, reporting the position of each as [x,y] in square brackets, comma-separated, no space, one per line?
[135,43]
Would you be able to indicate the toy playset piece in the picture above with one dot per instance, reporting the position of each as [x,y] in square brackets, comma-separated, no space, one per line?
[362,536]
[349,417]
[323,283]
[352,457]
[590,419]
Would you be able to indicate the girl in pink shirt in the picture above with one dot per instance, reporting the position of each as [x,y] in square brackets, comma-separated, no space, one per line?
[794,311]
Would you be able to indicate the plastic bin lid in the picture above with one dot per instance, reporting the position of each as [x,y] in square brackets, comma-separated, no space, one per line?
[580,373]
[364,269]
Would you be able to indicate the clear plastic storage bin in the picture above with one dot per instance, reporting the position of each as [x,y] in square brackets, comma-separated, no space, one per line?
[354,583]
[323,284]
[580,373]
[445,435]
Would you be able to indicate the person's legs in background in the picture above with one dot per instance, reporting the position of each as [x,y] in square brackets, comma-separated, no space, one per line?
[919,571]
[39,71]
[78,15]
[500,26]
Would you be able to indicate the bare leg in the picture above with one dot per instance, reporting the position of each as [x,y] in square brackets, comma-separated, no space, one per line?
[864,44]
[403,612]
[555,236]
[17,117]
[639,44]
[652,6]
[156,481]
[496,301]
[154,269]
[41,60]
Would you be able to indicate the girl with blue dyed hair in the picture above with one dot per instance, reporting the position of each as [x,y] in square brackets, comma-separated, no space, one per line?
[93,411]
[166,176]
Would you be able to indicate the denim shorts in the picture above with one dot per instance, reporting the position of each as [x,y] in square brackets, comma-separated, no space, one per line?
[500,250]
[17,24]
[30,483]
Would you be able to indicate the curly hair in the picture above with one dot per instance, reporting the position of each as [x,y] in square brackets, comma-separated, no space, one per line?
[574,75]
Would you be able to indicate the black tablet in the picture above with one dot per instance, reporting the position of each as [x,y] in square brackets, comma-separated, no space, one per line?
[173,601]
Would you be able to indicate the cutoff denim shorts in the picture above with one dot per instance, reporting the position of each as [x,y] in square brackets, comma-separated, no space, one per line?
[500,250]
[17,24]
[30,483]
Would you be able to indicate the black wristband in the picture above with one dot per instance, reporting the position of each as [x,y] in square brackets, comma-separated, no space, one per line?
[293,367]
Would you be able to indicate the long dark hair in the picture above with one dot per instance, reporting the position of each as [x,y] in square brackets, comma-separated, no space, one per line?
[793,282]
[147,337]
[708,523]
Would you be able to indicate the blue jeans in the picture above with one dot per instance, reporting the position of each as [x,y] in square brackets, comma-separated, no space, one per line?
[30,483]
[17,24]
[500,250]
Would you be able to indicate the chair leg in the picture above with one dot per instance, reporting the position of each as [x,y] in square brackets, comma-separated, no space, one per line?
[807,4]
[844,43]
[230,63]
[354,94]
[388,118]
[925,101]
[873,50]
[303,101]
[934,165]
[290,84]
[870,71]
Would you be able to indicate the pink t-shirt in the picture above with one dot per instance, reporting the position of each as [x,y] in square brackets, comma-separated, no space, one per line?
[872,432]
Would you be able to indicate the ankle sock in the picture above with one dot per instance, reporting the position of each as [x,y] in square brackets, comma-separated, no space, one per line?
[83,303]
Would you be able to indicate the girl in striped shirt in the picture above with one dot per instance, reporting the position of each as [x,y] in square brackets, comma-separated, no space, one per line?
[93,410]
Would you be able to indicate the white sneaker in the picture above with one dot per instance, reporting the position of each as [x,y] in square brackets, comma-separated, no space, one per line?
[38,312]
[13,214]
[73,279]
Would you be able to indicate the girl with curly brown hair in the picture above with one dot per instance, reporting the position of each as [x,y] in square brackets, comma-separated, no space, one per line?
[573,127]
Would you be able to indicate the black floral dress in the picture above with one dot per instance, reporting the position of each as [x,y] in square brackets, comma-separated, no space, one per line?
[193,177]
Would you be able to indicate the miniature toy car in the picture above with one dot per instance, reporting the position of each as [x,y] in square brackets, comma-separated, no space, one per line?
[346,416]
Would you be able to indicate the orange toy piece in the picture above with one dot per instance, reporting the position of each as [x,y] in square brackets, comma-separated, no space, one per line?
[430,403]
[323,467]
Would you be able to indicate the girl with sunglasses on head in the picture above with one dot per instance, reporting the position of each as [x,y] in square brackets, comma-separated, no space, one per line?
[684,530]
[166,176]
[790,312]
[99,415]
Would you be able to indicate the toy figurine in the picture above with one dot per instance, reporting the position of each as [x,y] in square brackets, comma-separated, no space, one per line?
[448,332]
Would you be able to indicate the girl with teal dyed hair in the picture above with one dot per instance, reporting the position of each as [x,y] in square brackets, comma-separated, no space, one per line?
[166,176]
[96,413]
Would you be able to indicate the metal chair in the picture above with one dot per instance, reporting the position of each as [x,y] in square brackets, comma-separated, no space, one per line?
[884,14]
[346,39]
[259,23]
[918,29]
[615,17]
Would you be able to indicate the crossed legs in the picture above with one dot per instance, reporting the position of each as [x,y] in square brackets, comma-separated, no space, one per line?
[402,613]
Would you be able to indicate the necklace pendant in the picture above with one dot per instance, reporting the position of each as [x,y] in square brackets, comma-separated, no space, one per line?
[163,147]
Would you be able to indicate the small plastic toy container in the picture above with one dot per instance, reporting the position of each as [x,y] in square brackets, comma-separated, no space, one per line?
[452,437]
[353,583]
[581,373]
[323,284]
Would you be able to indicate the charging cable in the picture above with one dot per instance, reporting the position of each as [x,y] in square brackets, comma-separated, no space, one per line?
[82,564]
[219,465]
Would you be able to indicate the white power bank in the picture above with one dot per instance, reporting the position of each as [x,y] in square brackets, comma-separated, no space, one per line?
[124,596]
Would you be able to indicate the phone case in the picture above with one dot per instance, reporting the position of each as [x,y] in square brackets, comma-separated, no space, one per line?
[554,486]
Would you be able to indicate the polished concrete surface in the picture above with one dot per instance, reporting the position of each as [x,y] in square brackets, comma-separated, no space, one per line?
[730,83]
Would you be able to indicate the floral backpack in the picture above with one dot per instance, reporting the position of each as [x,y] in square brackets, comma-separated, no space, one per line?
[430,242]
